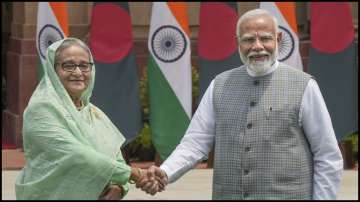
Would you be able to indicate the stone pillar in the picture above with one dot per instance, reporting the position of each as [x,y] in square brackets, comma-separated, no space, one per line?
[21,64]
[140,13]
[79,19]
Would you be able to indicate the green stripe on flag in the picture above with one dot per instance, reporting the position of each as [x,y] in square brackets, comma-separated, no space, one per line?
[168,119]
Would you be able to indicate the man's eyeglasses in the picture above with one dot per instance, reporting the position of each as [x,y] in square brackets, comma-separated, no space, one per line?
[70,67]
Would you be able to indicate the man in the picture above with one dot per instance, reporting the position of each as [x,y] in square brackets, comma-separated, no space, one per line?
[272,131]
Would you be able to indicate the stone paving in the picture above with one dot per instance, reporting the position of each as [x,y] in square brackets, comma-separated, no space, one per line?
[194,185]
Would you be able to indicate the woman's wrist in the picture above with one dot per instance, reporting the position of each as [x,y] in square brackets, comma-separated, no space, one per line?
[135,175]
[121,191]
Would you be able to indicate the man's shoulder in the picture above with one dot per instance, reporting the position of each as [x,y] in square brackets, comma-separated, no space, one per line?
[293,70]
[229,72]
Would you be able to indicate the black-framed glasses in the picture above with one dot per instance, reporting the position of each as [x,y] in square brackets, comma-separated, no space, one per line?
[70,66]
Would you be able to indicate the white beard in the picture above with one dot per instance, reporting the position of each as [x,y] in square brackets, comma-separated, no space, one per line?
[259,67]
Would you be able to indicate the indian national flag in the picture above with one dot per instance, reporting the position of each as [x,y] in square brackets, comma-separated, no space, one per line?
[169,74]
[289,45]
[52,25]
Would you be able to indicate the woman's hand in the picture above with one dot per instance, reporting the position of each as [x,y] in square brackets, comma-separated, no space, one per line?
[112,192]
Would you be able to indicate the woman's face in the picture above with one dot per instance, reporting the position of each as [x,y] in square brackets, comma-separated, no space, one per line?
[75,80]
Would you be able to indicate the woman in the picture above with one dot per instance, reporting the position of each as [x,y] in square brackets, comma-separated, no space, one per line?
[72,149]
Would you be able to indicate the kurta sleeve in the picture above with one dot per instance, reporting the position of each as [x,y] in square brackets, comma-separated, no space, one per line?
[317,125]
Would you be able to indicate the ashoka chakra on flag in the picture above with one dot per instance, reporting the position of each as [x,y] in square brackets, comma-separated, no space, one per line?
[168,43]
[48,35]
[286,45]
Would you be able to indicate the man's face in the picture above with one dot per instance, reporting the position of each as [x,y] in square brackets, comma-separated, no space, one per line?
[258,43]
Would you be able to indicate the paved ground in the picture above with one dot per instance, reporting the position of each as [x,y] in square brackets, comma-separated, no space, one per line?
[196,185]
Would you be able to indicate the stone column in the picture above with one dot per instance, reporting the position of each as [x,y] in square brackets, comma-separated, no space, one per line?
[140,18]
[21,61]
[79,19]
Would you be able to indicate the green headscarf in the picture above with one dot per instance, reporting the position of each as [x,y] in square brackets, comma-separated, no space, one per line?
[70,154]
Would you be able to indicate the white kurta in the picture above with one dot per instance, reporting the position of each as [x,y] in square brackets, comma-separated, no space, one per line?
[314,118]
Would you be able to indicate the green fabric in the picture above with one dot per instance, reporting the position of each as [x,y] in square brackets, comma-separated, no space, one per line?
[70,154]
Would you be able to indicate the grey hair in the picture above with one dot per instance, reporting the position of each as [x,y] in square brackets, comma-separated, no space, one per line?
[71,42]
[255,13]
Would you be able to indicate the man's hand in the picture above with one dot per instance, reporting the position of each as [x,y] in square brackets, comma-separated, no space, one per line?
[155,181]
[112,192]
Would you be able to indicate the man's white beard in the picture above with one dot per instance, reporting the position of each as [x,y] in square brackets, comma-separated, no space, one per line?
[259,67]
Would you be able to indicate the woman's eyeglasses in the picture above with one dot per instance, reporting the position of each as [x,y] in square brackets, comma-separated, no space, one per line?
[70,67]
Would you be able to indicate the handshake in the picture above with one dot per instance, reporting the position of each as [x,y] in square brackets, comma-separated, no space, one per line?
[151,180]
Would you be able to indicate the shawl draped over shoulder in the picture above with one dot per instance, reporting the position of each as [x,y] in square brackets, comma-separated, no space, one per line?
[70,154]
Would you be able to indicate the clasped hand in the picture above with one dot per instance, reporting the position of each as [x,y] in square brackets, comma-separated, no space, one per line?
[152,180]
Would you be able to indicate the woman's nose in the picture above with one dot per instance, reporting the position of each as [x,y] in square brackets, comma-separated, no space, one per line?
[77,71]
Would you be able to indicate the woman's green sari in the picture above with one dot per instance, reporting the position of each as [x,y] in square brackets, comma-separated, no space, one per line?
[70,154]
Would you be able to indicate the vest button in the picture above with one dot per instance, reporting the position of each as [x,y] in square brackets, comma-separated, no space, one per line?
[246,172]
[252,103]
[256,82]
[249,125]
[246,194]
[247,149]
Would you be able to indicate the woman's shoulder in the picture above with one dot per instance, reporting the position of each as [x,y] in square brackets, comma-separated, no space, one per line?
[44,108]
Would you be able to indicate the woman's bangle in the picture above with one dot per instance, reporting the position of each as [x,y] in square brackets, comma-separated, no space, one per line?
[133,178]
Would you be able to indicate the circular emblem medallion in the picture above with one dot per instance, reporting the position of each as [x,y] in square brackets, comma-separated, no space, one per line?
[48,35]
[286,45]
[168,43]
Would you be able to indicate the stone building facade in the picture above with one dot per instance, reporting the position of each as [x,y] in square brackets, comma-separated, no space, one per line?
[20,57]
